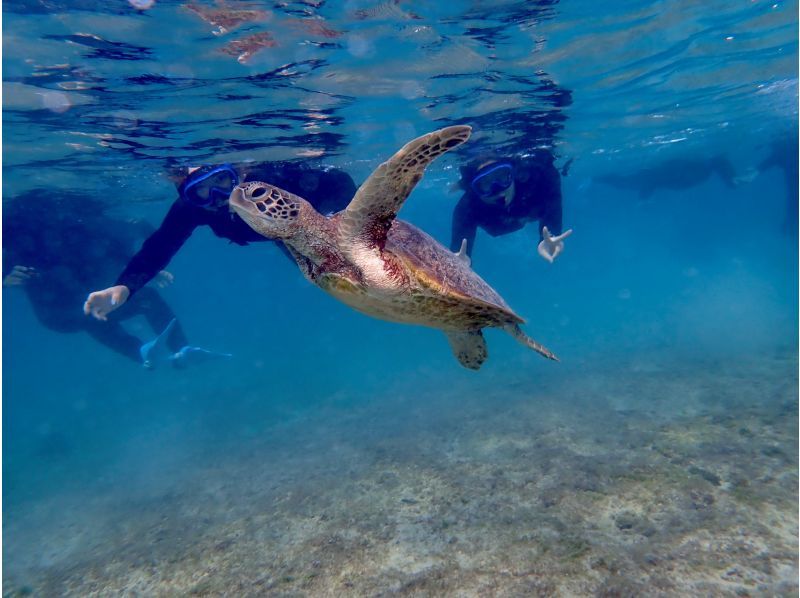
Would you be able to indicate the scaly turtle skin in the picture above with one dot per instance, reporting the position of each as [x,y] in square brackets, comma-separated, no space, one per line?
[385,267]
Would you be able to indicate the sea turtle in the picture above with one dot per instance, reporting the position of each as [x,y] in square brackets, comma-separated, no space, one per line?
[385,267]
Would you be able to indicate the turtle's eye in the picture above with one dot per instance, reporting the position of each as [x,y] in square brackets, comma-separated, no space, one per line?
[258,192]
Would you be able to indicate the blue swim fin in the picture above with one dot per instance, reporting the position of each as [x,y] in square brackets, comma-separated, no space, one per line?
[156,350]
[189,355]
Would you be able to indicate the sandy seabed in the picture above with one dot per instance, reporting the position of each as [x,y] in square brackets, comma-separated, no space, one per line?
[642,478]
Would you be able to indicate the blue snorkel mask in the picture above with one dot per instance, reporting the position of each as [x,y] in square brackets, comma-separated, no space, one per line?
[493,179]
[209,186]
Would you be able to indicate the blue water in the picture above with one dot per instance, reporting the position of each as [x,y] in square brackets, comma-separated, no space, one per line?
[675,305]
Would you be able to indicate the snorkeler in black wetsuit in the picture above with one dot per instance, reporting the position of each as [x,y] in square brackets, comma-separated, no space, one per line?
[203,200]
[681,173]
[502,195]
[47,239]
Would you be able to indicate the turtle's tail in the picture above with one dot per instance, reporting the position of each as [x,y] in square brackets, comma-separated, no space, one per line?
[515,331]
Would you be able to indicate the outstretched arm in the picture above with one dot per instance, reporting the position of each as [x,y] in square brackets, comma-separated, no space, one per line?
[551,213]
[160,247]
[464,226]
[550,219]
[155,254]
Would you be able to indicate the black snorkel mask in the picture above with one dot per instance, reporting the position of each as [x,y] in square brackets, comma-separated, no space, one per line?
[209,186]
[493,179]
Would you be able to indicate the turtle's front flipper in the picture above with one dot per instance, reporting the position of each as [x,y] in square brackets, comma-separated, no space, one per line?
[515,331]
[469,348]
[368,217]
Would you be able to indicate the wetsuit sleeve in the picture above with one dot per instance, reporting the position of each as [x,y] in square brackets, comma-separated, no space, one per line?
[160,247]
[464,226]
[551,211]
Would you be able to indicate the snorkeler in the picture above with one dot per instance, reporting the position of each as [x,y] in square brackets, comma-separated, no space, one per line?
[680,173]
[502,195]
[45,254]
[203,200]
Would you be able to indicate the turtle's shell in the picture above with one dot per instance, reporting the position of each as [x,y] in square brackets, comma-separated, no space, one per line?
[449,274]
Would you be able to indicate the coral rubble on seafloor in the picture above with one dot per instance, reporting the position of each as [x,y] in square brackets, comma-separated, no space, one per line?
[631,481]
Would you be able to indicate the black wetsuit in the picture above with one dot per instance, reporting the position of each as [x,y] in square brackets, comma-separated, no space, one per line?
[328,190]
[72,254]
[537,196]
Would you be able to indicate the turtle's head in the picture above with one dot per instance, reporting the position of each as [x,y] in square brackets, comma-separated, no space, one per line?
[268,210]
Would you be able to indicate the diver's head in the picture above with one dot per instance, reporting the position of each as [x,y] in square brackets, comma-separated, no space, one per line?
[268,210]
[209,186]
[493,182]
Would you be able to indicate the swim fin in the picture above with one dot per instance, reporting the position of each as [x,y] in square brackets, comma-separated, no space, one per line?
[189,355]
[156,350]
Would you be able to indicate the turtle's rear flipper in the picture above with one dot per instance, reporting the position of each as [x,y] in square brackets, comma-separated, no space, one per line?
[515,331]
[469,348]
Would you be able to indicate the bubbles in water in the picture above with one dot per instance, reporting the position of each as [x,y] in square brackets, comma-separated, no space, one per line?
[358,46]
[411,90]
[56,101]
[142,4]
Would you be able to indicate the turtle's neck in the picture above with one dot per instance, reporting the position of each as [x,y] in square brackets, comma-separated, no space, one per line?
[315,238]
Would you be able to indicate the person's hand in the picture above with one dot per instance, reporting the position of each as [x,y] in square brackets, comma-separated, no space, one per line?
[101,303]
[550,247]
[163,279]
[19,276]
